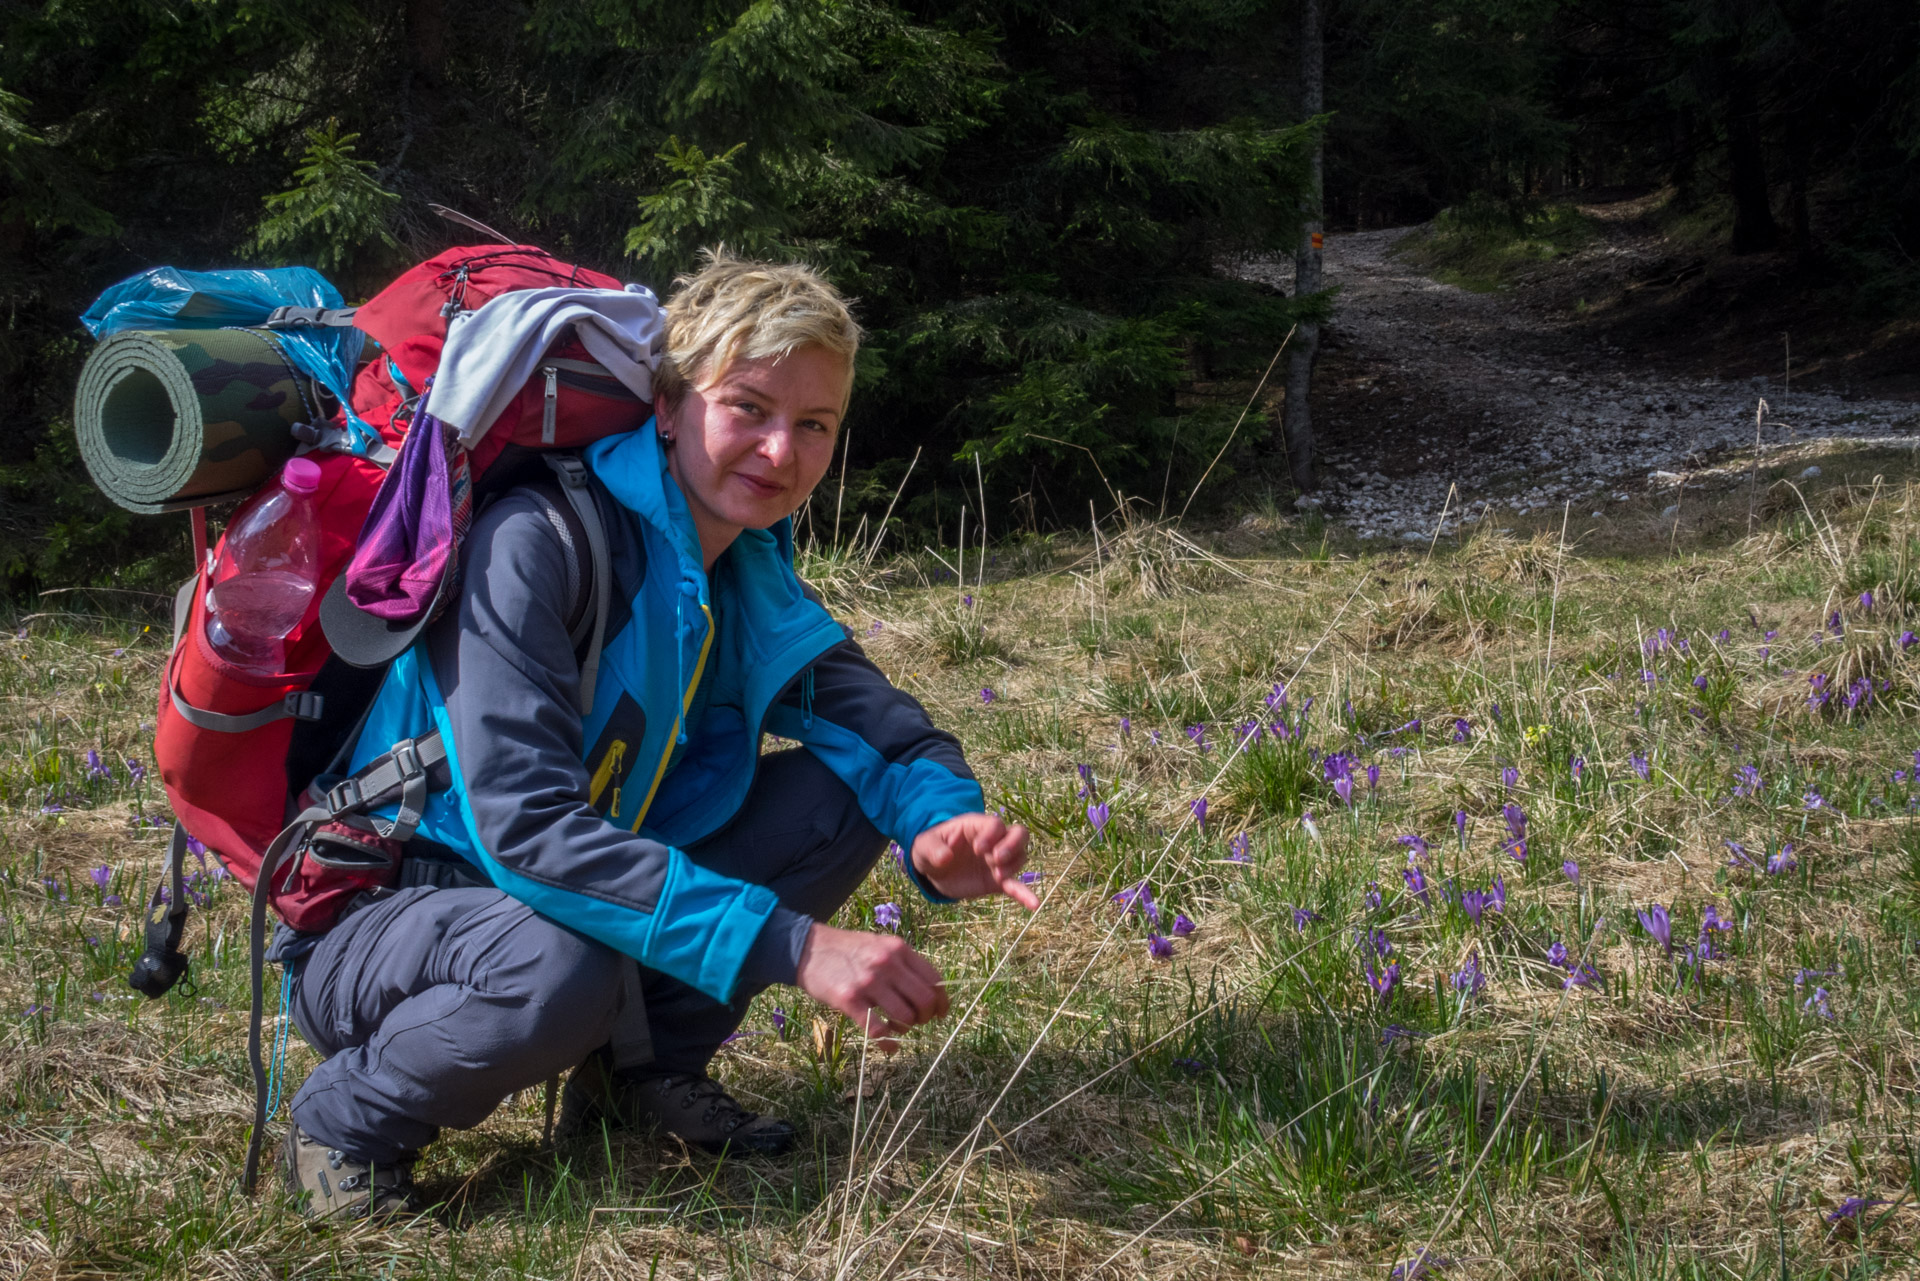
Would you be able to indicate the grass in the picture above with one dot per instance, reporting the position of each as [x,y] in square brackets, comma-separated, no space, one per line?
[1484,245]
[1252,1105]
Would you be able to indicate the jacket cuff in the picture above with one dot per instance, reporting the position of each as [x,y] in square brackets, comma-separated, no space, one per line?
[775,954]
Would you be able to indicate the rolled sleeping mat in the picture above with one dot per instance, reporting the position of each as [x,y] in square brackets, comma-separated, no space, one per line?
[175,418]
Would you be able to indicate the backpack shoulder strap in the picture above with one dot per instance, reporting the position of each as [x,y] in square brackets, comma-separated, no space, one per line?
[574,513]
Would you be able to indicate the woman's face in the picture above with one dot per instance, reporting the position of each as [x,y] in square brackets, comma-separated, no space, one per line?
[749,448]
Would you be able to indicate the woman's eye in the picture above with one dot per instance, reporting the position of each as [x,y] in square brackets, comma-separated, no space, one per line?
[814,424]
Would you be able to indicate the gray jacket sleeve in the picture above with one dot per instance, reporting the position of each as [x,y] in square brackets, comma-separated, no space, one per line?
[508,673]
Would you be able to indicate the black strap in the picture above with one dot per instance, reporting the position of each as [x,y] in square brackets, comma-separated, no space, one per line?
[573,482]
[407,773]
[310,318]
[162,964]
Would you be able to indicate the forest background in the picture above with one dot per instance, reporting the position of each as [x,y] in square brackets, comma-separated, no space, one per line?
[1033,203]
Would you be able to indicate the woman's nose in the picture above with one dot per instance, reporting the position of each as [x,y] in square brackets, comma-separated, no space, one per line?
[776,446]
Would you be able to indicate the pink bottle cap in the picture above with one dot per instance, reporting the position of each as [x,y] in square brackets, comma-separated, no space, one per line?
[301,476]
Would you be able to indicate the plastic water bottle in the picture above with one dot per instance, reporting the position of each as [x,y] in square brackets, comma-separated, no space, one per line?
[267,574]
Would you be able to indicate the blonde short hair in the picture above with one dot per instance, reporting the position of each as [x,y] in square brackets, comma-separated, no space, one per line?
[738,309]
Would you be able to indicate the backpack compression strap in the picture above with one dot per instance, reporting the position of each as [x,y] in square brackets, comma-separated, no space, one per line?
[407,775]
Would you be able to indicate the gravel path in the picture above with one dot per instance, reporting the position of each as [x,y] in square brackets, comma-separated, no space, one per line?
[1498,397]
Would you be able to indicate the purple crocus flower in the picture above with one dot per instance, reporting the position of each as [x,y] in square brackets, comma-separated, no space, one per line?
[1126,727]
[1237,849]
[1097,814]
[1462,730]
[1813,800]
[1416,884]
[1159,947]
[987,696]
[1198,735]
[1571,870]
[1343,788]
[1818,1003]
[1710,921]
[1852,1207]
[1460,825]
[1497,896]
[1582,976]
[1658,923]
[1153,736]
[1303,917]
[1087,783]
[1247,733]
[1510,778]
[1383,981]
[1475,902]
[1416,846]
[887,916]
[1557,956]
[1907,641]
[1723,635]
[875,629]
[1640,765]
[780,1022]
[1577,768]
[97,768]
[1469,978]
[1783,861]
[1746,781]
[1373,777]
[1277,700]
[1377,940]
[1516,843]
[1182,926]
[1198,807]
[1372,896]
[101,877]
[136,771]
[1139,899]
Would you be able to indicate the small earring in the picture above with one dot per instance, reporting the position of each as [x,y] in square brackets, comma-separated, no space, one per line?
[666,438]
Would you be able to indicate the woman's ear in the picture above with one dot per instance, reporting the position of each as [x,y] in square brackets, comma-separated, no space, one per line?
[666,416]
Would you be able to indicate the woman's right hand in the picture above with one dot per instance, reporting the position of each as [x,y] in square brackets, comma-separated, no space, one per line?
[876,980]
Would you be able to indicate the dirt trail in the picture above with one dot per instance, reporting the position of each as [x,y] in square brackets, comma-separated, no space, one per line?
[1512,399]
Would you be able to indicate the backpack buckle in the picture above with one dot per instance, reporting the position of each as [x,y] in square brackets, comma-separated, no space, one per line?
[568,467]
[406,758]
[343,797]
[305,705]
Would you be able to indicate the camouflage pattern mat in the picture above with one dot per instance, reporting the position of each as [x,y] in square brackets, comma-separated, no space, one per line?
[173,418]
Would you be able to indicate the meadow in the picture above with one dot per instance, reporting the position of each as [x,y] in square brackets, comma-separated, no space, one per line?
[1542,903]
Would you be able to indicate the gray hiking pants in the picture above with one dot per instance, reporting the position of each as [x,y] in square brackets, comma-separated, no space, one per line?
[433,1005]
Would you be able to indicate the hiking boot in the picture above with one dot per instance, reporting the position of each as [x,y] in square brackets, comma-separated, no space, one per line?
[329,1184]
[689,1106]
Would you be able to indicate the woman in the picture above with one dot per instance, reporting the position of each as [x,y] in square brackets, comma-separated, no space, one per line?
[652,828]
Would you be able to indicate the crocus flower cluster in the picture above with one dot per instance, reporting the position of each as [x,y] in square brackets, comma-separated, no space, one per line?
[1238,847]
[887,916]
[1469,978]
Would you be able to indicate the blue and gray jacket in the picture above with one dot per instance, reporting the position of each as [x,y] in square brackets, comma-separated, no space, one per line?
[585,821]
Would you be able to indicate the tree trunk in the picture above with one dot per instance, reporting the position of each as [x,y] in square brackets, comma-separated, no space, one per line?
[1297,418]
[1753,226]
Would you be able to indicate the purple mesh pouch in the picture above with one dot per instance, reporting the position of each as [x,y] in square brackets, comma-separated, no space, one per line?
[411,535]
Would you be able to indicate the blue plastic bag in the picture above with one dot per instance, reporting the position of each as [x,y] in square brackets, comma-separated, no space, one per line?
[169,298]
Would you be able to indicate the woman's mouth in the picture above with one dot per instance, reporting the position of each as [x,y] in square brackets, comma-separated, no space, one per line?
[758,487]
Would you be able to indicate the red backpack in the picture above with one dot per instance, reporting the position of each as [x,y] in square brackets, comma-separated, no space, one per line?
[237,752]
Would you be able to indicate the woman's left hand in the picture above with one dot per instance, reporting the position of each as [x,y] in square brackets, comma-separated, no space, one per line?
[974,855]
